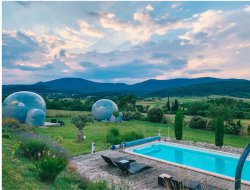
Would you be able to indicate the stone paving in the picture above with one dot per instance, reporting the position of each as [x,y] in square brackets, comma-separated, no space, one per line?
[93,167]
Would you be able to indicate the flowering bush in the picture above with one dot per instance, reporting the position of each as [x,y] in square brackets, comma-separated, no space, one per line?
[34,148]
[50,166]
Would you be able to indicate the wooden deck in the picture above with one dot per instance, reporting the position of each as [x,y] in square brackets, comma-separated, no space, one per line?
[93,167]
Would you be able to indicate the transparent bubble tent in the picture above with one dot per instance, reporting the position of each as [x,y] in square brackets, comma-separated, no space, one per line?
[120,117]
[103,109]
[19,104]
[35,117]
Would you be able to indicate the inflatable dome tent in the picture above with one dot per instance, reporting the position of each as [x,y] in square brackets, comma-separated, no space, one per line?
[103,110]
[19,105]
[35,117]
[120,117]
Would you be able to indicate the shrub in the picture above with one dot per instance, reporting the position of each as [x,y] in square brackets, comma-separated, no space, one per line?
[166,120]
[129,115]
[211,125]
[139,108]
[233,128]
[136,115]
[248,129]
[178,124]
[10,123]
[197,122]
[34,148]
[197,108]
[131,136]
[155,114]
[50,166]
[144,118]
[6,135]
[219,131]
[113,136]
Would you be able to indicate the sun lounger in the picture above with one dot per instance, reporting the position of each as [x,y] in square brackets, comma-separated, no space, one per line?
[168,181]
[173,184]
[111,161]
[133,167]
[190,184]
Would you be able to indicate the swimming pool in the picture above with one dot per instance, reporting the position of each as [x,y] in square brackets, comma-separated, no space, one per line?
[199,159]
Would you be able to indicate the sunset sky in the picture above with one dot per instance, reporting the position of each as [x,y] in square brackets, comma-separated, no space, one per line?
[125,41]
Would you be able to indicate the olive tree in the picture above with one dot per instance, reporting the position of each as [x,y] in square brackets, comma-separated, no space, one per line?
[155,114]
[80,122]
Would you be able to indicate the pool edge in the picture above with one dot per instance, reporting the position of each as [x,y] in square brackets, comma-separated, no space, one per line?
[128,150]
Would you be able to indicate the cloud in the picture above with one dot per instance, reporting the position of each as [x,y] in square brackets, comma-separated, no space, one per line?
[205,25]
[175,5]
[112,48]
[24,51]
[149,7]
[72,39]
[89,30]
[17,47]
[201,71]
[135,69]
[247,8]
[143,27]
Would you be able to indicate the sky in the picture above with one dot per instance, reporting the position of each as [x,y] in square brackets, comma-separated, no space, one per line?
[125,42]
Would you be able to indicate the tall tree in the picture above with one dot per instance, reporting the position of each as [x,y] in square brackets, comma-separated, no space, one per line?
[175,106]
[127,102]
[219,131]
[168,104]
[80,121]
[178,124]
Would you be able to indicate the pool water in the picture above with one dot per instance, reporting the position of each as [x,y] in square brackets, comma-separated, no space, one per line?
[216,162]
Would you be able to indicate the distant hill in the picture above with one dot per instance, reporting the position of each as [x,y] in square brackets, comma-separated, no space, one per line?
[231,87]
[173,87]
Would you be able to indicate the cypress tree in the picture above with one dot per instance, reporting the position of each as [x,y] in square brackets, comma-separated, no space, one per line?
[175,106]
[178,124]
[219,131]
[168,104]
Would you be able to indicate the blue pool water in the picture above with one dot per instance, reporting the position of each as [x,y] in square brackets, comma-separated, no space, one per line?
[224,164]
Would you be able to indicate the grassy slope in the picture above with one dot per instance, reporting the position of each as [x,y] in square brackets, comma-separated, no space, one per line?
[96,132]
[20,173]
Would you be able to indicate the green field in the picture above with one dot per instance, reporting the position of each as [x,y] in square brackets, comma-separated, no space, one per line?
[161,101]
[96,132]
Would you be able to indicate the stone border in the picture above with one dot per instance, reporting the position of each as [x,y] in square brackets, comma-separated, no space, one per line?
[227,149]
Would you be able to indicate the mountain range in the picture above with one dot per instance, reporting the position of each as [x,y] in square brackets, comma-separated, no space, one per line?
[173,87]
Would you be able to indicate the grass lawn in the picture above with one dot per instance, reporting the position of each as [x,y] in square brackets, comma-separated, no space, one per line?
[96,132]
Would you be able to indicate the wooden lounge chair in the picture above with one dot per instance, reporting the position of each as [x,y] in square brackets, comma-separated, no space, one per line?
[173,184]
[111,161]
[133,167]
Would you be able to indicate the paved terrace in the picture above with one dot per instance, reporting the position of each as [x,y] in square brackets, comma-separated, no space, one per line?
[94,168]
